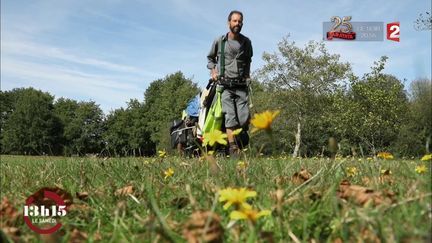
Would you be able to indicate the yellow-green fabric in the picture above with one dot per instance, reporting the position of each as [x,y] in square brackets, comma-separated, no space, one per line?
[214,116]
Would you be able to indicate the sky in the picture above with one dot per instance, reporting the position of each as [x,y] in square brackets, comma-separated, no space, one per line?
[109,51]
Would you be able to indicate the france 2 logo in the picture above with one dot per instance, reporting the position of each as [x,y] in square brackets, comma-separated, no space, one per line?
[393,31]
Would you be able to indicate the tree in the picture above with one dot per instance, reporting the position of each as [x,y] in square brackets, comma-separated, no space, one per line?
[31,126]
[164,101]
[301,80]
[116,135]
[373,111]
[126,132]
[65,110]
[421,110]
[84,132]
[423,22]
[139,137]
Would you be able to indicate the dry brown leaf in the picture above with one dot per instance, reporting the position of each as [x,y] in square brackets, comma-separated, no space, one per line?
[52,238]
[386,177]
[12,232]
[367,181]
[267,236]
[83,196]
[40,199]
[97,236]
[338,240]
[301,177]
[214,168]
[281,180]
[369,236]
[193,230]
[9,215]
[124,191]
[277,195]
[315,195]
[79,207]
[77,236]
[362,195]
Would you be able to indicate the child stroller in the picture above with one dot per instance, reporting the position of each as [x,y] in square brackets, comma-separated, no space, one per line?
[184,131]
[198,118]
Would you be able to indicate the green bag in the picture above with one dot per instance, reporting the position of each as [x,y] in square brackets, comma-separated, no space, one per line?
[214,115]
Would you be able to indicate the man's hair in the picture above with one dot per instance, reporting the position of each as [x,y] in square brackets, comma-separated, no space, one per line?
[234,12]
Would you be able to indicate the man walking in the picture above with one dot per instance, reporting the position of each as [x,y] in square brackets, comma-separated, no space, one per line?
[229,61]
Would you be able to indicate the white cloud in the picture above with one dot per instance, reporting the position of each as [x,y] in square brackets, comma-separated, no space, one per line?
[52,54]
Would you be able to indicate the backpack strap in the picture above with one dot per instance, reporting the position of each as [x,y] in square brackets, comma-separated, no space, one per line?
[222,56]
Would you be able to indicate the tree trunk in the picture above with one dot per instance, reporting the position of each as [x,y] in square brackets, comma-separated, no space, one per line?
[428,139]
[297,140]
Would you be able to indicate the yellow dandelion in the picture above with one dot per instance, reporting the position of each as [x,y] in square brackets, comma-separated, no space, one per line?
[241,164]
[249,214]
[169,173]
[237,131]
[236,196]
[426,157]
[213,137]
[264,120]
[352,171]
[162,153]
[385,155]
[420,169]
[369,159]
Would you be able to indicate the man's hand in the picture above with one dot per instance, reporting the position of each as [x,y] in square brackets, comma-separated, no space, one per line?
[214,74]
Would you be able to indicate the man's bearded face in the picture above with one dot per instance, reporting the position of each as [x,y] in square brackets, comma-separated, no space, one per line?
[236,23]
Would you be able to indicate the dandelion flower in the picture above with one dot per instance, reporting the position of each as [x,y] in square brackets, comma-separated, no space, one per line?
[162,153]
[236,196]
[169,173]
[213,137]
[352,171]
[241,164]
[420,169]
[264,120]
[385,155]
[249,214]
[426,157]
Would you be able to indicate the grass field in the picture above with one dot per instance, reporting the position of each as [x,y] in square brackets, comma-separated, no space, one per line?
[133,200]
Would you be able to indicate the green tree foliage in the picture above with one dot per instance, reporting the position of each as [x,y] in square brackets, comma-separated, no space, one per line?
[421,107]
[423,22]
[372,112]
[116,135]
[415,135]
[85,131]
[31,126]
[65,110]
[164,101]
[301,81]
[126,131]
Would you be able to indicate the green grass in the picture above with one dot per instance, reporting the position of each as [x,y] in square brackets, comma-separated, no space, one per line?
[310,211]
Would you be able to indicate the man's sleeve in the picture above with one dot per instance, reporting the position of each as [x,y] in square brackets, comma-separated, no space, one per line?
[212,56]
